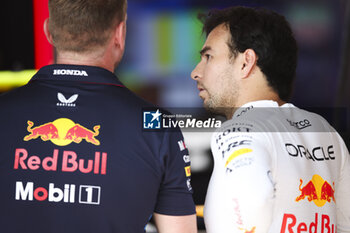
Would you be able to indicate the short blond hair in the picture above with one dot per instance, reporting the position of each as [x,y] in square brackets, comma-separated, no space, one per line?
[83,25]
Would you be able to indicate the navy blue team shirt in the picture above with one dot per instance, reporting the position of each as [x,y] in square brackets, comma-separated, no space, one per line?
[75,158]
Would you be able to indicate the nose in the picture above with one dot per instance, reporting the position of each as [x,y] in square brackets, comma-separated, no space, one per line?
[195,75]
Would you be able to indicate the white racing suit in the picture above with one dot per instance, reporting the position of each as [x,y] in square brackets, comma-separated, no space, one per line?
[278,169]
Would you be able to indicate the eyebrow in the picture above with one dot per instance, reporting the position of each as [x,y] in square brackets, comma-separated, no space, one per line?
[204,50]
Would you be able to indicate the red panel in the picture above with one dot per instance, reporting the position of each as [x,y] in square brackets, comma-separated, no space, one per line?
[43,50]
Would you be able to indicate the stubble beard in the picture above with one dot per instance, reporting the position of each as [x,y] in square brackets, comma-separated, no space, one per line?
[223,102]
[211,106]
[222,105]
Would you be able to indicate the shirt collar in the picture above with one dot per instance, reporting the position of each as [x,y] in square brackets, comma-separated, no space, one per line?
[258,104]
[77,73]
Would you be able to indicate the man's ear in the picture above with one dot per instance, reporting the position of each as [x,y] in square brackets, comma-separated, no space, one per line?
[249,62]
[47,32]
[120,34]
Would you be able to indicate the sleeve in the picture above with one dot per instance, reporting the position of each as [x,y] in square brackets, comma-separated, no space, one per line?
[175,194]
[343,192]
[247,176]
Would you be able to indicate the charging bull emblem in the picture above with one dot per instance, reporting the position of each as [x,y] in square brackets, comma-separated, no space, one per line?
[62,132]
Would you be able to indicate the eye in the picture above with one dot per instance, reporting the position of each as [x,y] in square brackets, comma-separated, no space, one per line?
[207,56]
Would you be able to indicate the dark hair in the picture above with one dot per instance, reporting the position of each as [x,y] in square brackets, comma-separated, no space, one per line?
[268,34]
[82,25]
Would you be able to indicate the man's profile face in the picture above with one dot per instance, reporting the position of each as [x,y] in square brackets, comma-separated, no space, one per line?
[215,73]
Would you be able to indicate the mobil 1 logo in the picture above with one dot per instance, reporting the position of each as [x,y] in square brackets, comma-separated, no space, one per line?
[66,193]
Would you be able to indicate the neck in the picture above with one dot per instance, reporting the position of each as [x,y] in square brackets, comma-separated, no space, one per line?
[87,59]
[254,88]
[268,95]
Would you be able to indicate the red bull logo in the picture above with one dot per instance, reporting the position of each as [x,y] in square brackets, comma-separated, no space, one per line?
[69,161]
[77,133]
[62,132]
[46,132]
[317,190]
[322,223]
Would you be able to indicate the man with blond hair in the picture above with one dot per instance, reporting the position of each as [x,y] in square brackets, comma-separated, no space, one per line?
[74,157]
